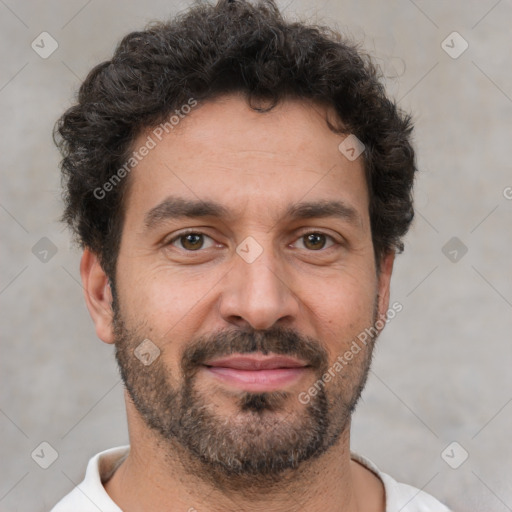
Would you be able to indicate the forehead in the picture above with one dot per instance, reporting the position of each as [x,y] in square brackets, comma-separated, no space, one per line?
[254,163]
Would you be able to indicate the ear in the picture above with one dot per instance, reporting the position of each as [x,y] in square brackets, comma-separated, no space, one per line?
[98,295]
[384,281]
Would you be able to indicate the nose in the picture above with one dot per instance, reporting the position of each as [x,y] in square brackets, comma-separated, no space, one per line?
[258,293]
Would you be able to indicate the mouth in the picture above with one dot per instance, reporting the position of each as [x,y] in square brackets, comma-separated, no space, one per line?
[257,372]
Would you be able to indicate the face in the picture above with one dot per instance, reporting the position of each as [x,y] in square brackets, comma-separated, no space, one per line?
[246,243]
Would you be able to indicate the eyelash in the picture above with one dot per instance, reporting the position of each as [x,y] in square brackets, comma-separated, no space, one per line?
[196,232]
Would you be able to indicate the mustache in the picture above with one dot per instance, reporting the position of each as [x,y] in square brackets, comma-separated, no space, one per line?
[278,340]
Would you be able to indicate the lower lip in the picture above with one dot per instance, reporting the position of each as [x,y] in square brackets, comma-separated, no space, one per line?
[258,380]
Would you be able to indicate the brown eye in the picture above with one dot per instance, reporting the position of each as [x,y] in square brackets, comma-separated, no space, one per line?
[316,241]
[191,241]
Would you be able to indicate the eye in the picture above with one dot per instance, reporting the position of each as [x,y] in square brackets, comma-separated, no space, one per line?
[191,241]
[316,241]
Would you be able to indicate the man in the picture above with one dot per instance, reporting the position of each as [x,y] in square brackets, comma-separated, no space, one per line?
[240,186]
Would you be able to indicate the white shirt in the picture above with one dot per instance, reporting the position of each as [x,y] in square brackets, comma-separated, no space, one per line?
[90,495]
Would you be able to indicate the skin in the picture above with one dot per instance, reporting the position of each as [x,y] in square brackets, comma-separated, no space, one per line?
[256,165]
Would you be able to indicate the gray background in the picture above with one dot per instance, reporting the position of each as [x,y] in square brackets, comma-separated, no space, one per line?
[442,367]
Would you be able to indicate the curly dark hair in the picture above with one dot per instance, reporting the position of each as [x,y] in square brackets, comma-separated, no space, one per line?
[209,50]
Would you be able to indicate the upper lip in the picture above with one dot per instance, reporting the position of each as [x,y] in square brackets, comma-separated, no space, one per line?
[257,362]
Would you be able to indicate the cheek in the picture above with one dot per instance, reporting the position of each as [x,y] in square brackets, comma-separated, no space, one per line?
[164,301]
[343,308]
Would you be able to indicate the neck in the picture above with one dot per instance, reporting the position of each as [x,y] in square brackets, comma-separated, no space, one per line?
[158,473]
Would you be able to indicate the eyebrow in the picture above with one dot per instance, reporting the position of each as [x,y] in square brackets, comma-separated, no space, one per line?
[179,208]
[323,208]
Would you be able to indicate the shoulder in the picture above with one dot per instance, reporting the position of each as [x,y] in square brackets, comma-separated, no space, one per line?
[90,495]
[403,497]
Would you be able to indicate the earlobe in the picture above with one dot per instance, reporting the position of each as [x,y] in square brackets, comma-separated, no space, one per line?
[386,269]
[98,295]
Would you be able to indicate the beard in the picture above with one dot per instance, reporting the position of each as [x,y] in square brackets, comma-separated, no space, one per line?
[269,433]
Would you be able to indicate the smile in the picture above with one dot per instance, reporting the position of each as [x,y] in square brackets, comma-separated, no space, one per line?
[257,372]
